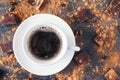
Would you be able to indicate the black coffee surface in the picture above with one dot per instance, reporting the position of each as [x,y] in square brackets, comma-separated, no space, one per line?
[44,44]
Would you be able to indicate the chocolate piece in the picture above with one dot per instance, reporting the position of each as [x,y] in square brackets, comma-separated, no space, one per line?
[114,8]
[99,41]
[112,75]
[32,2]
[9,19]
[82,15]
[36,3]
[7,47]
[112,61]
[82,58]
[78,33]
[12,6]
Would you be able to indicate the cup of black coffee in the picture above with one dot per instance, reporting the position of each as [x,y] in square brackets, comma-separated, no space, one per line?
[44,44]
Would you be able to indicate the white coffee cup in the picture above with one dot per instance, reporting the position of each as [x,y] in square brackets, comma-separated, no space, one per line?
[33,24]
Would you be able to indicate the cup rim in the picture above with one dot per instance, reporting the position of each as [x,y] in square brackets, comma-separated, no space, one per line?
[53,60]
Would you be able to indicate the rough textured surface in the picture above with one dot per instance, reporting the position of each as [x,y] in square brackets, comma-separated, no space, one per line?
[98,36]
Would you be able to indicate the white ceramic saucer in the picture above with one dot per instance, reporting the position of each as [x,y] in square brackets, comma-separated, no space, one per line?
[37,68]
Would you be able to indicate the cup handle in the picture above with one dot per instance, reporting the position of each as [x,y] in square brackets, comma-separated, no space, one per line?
[75,48]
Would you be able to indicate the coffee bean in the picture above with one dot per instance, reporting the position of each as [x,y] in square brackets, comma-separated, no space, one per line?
[78,33]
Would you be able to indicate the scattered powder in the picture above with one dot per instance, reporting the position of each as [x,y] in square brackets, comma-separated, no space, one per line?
[105,39]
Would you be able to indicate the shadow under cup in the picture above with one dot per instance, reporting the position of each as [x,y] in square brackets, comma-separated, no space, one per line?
[45,34]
